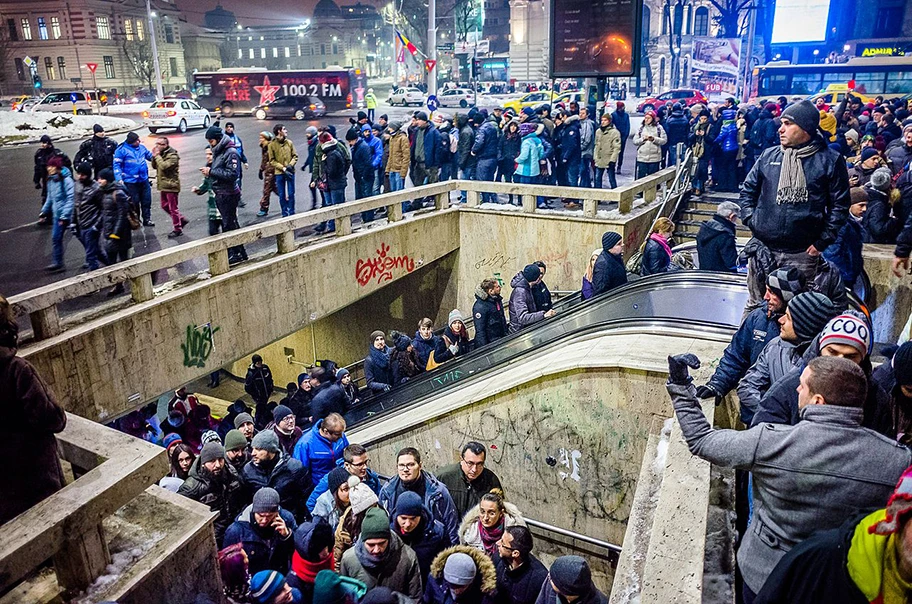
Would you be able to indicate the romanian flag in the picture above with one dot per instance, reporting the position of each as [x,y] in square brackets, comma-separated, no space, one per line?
[407,43]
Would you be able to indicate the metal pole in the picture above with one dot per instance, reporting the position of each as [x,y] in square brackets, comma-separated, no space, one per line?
[573,535]
[751,31]
[158,77]
[432,47]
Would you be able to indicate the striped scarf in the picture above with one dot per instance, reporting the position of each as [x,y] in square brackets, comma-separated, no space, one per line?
[792,184]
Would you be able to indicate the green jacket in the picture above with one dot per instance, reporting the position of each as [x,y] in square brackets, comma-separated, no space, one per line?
[282,153]
[212,209]
[319,154]
[371,100]
[167,167]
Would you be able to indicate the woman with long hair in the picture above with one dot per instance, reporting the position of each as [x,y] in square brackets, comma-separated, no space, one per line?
[657,252]
[484,524]
[587,278]
[182,458]
[232,562]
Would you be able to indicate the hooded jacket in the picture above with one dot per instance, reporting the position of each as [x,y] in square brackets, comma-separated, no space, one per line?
[378,370]
[522,304]
[130,163]
[845,253]
[763,134]
[437,500]
[362,166]
[587,137]
[746,345]
[398,154]
[334,168]
[115,206]
[424,348]
[649,152]
[580,580]
[167,170]
[777,359]
[330,398]
[879,223]
[727,139]
[521,585]
[226,165]
[609,271]
[716,245]
[470,534]
[531,152]
[265,549]
[607,146]
[567,135]
[621,120]
[464,157]
[258,383]
[427,540]
[677,128]
[225,496]
[399,570]
[288,477]
[98,152]
[60,191]
[317,454]
[487,140]
[827,452]
[376,147]
[482,590]
[488,318]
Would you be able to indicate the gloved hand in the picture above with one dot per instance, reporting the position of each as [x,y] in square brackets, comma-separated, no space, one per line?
[454,348]
[260,175]
[677,368]
[38,185]
[706,392]
[386,388]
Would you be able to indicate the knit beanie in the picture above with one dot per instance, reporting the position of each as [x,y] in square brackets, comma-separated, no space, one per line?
[409,504]
[376,525]
[311,538]
[214,133]
[172,439]
[786,282]
[336,478]
[531,273]
[421,116]
[528,111]
[268,135]
[235,440]
[394,126]
[899,505]
[376,334]
[210,436]
[847,329]
[243,418]
[881,179]
[851,134]
[857,195]
[132,137]
[805,114]
[810,313]
[106,174]
[280,413]
[902,364]
[362,116]
[342,373]
[360,495]
[330,588]
[267,441]
[571,576]
[211,451]
[84,169]
[266,585]
[455,315]
[266,500]
[352,134]
[459,569]
[610,239]
[176,418]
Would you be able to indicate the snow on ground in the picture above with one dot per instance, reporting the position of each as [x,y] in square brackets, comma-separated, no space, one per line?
[126,108]
[20,127]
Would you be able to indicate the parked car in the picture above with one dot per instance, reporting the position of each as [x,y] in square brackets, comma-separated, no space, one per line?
[142,96]
[685,96]
[406,97]
[530,99]
[66,102]
[459,97]
[297,107]
[179,114]
[18,102]
[573,96]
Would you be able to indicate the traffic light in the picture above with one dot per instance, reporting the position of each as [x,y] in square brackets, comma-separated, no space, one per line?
[36,79]
[476,64]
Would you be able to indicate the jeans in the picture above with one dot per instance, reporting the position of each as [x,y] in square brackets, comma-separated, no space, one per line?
[363,190]
[141,195]
[600,173]
[620,161]
[672,155]
[333,198]
[57,241]
[485,171]
[169,205]
[285,185]
[467,173]
[725,171]
[370,115]
[89,239]
[644,169]
[585,179]
[378,181]
[570,173]
[397,183]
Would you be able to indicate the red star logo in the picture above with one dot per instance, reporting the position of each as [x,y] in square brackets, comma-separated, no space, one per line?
[267,92]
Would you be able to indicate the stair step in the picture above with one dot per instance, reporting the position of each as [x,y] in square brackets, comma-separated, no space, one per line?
[693,226]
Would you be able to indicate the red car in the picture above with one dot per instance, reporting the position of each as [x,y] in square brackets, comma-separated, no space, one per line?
[685,96]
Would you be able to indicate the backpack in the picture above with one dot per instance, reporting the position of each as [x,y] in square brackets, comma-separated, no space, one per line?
[454,141]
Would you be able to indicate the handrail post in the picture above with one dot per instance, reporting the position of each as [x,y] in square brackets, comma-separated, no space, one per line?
[473,199]
[590,208]
[344,226]
[81,559]
[218,262]
[394,212]
[649,194]
[141,288]
[442,200]
[625,205]
[528,204]
[45,322]
[285,242]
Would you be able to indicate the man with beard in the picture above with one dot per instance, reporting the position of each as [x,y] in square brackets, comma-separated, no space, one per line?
[520,575]
[215,483]
[265,529]
[270,467]
[236,453]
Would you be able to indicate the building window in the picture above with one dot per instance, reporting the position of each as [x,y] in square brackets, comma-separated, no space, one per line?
[26,30]
[322,49]
[665,19]
[335,48]
[109,67]
[42,29]
[13,32]
[251,53]
[49,68]
[275,52]
[661,73]
[240,53]
[128,29]
[299,50]
[55,27]
[262,53]
[104,30]
[20,69]
[169,33]
[173,63]
[139,30]
[61,67]
[888,23]
[701,21]
[287,52]
[687,15]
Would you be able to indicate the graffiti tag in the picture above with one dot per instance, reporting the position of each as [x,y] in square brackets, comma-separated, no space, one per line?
[199,344]
[498,260]
[566,457]
[448,377]
[381,267]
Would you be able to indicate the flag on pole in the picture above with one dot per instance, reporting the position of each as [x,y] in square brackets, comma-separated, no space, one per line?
[407,43]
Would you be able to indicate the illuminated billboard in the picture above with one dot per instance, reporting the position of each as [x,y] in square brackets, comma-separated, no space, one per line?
[798,21]
[591,38]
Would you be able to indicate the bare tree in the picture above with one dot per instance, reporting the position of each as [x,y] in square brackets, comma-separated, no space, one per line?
[467,18]
[141,59]
[729,17]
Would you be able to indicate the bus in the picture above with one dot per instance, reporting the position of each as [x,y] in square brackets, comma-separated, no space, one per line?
[889,77]
[238,91]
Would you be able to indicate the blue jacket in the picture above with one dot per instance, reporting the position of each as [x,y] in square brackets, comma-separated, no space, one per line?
[621,121]
[845,252]
[432,147]
[424,347]
[728,136]
[130,163]
[427,540]
[568,140]
[330,398]
[362,169]
[372,480]
[314,451]
[60,190]
[531,151]
[487,141]
[378,371]
[745,347]
[264,548]
[238,145]
[376,146]
[437,500]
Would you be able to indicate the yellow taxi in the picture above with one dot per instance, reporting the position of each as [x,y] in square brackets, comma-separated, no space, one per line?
[834,94]
[530,99]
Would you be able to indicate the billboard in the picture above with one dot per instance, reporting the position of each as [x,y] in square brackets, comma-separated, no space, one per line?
[716,66]
[591,38]
[800,21]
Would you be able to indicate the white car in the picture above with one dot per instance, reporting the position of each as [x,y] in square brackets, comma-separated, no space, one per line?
[458,97]
[406,97]
[179,114]
[65,102]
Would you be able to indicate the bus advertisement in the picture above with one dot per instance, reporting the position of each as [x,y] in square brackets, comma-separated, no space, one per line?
[235,91]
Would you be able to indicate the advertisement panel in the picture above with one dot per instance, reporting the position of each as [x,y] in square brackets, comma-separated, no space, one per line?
[800,21]
[716,66]
[591,38]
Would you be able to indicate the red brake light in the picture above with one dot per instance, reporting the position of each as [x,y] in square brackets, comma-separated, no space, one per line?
[172,113]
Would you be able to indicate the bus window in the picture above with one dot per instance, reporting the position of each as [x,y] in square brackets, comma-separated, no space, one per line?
[870,83]
[835,78]
[774,84]
[203,88]
[899,82]
[806,83]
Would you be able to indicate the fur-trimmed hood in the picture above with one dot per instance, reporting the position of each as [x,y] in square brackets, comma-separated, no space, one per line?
[468,530]
[485,566]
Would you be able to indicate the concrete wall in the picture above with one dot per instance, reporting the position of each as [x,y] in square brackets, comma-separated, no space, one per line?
[892,295]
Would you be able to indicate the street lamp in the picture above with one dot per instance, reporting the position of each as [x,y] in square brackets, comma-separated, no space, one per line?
[158,80]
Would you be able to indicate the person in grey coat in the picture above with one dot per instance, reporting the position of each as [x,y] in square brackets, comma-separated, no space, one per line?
[523,311]
[806,478]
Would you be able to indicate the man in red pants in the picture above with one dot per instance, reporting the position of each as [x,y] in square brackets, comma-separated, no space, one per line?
[166,162]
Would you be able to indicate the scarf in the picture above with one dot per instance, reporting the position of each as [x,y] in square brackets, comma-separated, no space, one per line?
[893,589]
[792,184]
[370,562]
[661,241]
[490,536]
[307,571]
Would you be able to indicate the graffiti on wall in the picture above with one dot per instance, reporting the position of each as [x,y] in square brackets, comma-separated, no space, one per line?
[380,268]
[198,344]
[498,261]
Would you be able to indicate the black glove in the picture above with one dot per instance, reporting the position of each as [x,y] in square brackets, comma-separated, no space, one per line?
[706,392]
[677,368]
[260,175]
[38,185]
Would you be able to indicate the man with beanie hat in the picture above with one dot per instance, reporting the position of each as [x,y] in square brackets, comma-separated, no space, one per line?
[570,580]
[716,239]
[895,377]
[397,164]
[216,483]
[88,213]
[329,397]
[244,422]
[378,370]
[271,587]
[827,452]
[379,558]
[258,383]
[426,151]
[223,174]
[322,446]
[313,552]
[796,197]
[899,155]
[355,462]
[523,311]
[269,466]
[845,253]
[414,525]
[330,588]
[97,151]
[237,452]
[461,575]
[266,173]
[327,505]
[805,317]
[609,270]
[283,424]
[488,312]
[265,529]
[864,168]
[131,170]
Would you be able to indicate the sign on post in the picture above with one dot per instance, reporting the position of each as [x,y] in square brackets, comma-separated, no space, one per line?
[432,103]
[29,61]
[429,64]
[92,67]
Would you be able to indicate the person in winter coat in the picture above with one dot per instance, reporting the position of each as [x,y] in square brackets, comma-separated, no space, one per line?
[239,145]
[355,462]
[649,139]
[587,146]
[488,312]
[397,166]
[349,387]
[881,223]
[484,525]
[531,154]
[677,127]
[332,504]
[426,151]
[701,146]
[455,337]
[428,345]
[258,383]
[845,253]
[716,240]
[540,291]
[762,135]
[725,166]
[570,577]
[334,176]
[404,359]
[232,563]
[45,152]
[130,168]
[609,271]
[520,575]
[362,168]
[60,197]
[656,251]
[523,311]
[266,173]
[226,165]
[468,480]
[380,558]
[33,472]
[330,397]
[510,146]
[568,152]
[313,146]
[378,370]
[828,452]
[621,120]
[485,150]
[376,146]
[361,498]
[266,531]
[271,467]
[87,214]
[284,426]
[899,155]
[607,151]
[320,449]
[205,188]
[313,545]
[166,162]
[370,100]
[586,289]
[461,575]
[868,162]
[116,235]
[97,151]
[895,377]
[283,156]
[412,522]
[215,483]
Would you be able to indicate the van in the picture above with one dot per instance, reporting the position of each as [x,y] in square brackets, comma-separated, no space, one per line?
[64,102]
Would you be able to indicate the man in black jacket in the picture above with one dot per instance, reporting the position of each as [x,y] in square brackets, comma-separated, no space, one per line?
[609,270]
[469,480]
[97,151]
[87,211]
[796,198]
[226,165]
[488,312]
[520,575]
[215,483]
[677,128]
[716,240]
[362,168]
[258,383]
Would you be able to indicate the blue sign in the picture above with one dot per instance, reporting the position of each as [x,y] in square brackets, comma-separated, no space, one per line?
[432,103]
[73,97]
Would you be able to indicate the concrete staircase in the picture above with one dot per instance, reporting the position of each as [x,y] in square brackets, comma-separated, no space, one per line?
[699,209]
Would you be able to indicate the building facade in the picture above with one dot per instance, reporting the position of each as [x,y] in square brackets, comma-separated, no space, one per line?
[204,48]
[530,39]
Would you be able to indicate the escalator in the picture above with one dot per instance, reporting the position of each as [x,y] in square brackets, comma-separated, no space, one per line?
[709,301]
